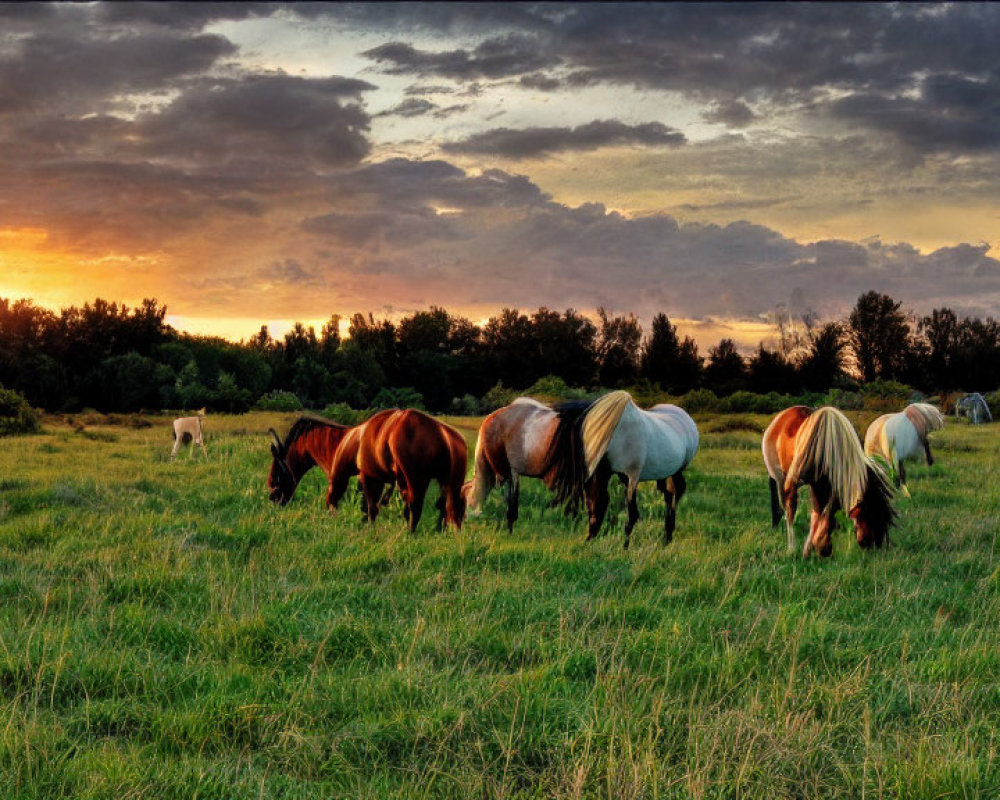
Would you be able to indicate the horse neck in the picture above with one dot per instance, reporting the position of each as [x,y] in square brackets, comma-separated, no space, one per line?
[318,446]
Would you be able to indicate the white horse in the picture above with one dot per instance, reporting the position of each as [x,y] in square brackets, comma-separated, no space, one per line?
[618,437]
[897,437]
[974,407]
[188,428]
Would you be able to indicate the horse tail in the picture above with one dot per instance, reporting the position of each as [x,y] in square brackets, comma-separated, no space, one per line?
[925,418]
[564,462]
[776,510]
[827,445]
[458,456]
[599,424]
[484,477]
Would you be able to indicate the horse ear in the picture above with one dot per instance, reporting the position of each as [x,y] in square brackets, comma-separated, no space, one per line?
[277,448]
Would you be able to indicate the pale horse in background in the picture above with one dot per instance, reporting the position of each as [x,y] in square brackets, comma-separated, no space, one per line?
[189,428]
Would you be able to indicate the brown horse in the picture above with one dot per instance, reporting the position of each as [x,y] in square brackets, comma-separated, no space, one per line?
[310,442]
[411,449]
[513,441]
[821,449]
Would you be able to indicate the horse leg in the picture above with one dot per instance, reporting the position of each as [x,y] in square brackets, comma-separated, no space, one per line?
[673,489]
[597,500]
[901,475]
[927,452]
[632,498]
[372,488]
[338,486]
[441,504]
[512,493]
[387,495]
[177,446]
[791,506]
[417,492]
[821,521]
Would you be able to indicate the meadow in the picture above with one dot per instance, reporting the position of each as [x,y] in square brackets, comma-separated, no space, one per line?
[165,631]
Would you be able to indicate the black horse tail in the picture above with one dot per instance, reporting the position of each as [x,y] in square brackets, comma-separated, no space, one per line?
[564,461]
[776,510]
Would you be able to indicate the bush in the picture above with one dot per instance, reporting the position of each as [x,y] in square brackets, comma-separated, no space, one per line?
[467,406]
[993,401]
[279,400]
[885,395]
[844,400]
[699,400]
[345,415]
[497,397]
[16,416]
[404,397]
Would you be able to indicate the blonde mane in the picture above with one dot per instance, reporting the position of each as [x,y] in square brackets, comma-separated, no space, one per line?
[925,418]
[599,424]
[826,444]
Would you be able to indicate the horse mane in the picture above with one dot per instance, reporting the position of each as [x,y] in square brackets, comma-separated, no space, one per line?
[925,418]
[303,425]
[827,444]
[599,424]
[876,506]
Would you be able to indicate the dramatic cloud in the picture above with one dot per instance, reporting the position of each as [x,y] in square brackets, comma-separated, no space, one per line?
[494,58]
[533,142]
[295,159]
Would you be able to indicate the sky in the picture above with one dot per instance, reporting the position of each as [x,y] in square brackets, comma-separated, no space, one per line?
[251,164]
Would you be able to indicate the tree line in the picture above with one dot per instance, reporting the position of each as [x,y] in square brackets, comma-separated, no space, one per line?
[109,357]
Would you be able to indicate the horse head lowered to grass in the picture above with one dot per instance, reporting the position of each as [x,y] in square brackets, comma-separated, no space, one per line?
[821,449]
[310,442]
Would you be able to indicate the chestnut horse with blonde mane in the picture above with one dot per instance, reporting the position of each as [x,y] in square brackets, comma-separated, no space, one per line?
[408,448]
[513,441]
[820,448]
[897,437]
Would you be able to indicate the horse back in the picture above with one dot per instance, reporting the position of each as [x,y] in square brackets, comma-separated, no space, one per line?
[778,443]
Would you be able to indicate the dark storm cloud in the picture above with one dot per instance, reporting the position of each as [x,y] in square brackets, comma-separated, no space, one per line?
[499,236]
[494,58]
[411,107]
[950,113]
[734,55]
[71,74]
[533,142]
[733,114]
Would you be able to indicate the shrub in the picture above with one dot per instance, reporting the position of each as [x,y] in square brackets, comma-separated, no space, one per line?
[16,416]
[345,415]
[279,400]
[466,406]
[495,398]
[404,397]
[885,395]
[993,401]
[699,400]
[845,400]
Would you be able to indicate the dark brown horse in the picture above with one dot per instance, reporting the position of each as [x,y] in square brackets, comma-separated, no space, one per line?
[411,449]
[310,442]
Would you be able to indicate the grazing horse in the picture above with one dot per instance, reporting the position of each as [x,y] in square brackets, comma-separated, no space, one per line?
[821,449]
[188,429]
[310,442]
[615,436]
[974,407]
[896,437]
[513,441]
[411,449]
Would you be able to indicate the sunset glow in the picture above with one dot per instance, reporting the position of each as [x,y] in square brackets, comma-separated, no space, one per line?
[266,165]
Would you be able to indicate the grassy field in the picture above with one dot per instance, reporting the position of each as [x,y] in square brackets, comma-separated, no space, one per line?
[166,632]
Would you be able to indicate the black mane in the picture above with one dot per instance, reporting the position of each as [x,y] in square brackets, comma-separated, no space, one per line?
[564,456]
[877,508]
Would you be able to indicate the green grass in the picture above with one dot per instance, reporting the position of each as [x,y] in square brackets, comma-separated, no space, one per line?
[166,632]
